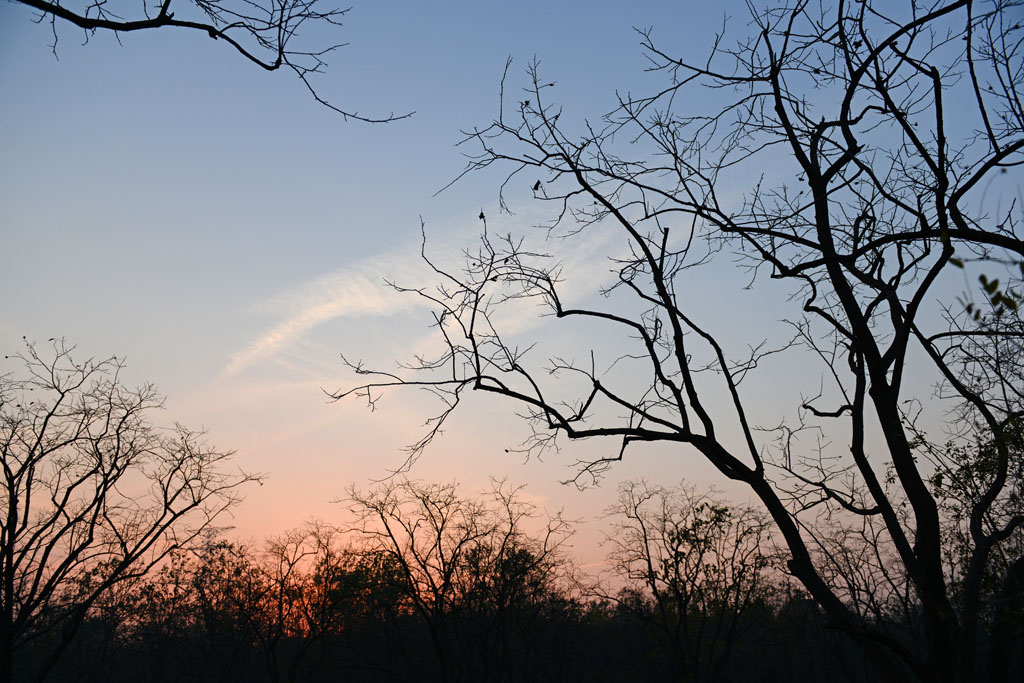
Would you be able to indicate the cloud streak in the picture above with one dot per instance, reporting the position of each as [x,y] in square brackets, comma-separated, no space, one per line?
[350,292]
[359,291]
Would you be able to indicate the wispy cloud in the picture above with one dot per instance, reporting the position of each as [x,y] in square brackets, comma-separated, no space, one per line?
[359,290]
[349,292]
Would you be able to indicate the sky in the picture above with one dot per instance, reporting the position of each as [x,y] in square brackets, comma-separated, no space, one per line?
[167,202]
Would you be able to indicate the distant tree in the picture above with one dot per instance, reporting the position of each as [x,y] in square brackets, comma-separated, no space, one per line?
[93,495]
[362,586]
[866,154]
[244,604]
[365,614]
[169,626]
[694,569]
[464,565]
[296,577]
[262,595]
[266,33]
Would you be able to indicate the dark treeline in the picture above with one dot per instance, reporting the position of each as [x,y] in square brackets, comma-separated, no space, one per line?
[431,586]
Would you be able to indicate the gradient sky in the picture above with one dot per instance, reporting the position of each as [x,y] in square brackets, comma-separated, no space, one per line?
[165,201]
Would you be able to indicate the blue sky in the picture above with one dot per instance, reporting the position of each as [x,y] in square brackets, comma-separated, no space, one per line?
[166,201]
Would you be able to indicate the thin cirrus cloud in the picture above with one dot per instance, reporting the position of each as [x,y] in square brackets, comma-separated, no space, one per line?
[360,290]
[349,292]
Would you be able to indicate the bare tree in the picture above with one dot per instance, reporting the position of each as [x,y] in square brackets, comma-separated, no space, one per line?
[93,495]
[453,552]
[267,33]
[877,144]
[697,566]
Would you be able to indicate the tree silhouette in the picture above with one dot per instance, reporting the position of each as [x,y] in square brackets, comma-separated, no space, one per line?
[694,569]
[93,495]
[857,152]
[264,32]
[470,569]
